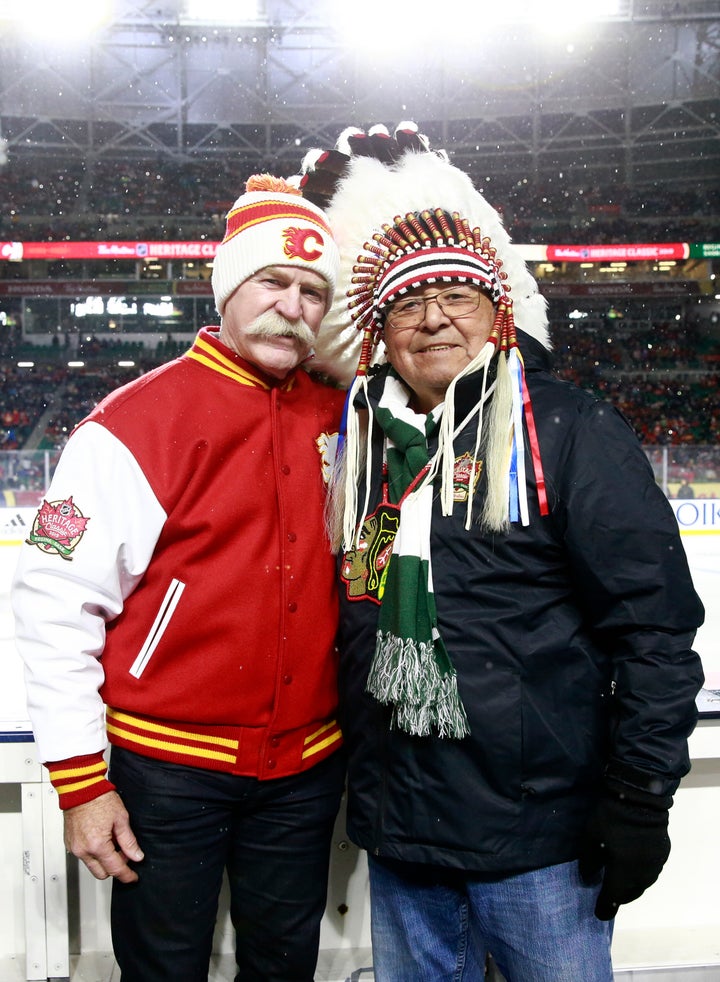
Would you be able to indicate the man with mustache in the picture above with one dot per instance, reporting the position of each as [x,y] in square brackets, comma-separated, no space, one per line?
[176,598]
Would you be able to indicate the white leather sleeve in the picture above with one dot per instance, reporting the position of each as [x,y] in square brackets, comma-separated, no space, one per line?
[63,603]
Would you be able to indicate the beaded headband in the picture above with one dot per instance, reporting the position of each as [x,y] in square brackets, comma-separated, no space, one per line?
[418,249]
[421,248]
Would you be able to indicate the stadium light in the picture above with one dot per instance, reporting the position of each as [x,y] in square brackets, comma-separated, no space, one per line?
[48,19]
[464,23]
[222,12]
[559,16]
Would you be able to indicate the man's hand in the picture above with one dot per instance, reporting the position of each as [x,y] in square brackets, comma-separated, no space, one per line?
[99,834]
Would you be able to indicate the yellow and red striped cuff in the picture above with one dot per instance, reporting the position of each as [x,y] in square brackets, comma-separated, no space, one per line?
[79,779]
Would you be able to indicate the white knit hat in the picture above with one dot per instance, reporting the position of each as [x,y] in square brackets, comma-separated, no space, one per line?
[273,225]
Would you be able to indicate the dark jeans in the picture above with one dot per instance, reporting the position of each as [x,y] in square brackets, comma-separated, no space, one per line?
[272,837]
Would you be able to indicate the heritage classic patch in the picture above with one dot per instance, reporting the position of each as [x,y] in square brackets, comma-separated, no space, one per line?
[463,474]
[58,527]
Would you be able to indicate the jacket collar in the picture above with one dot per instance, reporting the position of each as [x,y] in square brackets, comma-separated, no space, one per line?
[210,351]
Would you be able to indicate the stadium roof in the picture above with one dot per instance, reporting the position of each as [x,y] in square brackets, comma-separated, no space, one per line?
[630,97]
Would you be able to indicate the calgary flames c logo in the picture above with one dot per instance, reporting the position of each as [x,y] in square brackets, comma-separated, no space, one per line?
[301,243]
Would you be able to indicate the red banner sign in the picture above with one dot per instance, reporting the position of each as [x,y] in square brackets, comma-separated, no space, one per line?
[17,251]
[617,253]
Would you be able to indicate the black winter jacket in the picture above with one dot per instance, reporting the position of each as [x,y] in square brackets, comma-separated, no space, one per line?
[571,639]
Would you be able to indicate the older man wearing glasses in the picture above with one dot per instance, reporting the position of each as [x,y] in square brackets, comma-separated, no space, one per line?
[517,616]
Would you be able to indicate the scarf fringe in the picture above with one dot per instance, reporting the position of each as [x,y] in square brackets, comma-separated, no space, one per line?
[405,674]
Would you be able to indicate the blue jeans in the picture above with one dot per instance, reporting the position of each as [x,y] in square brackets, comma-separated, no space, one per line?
[437,925]
[272,837]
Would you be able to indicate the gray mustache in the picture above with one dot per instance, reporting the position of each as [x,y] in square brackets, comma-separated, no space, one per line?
[271,325]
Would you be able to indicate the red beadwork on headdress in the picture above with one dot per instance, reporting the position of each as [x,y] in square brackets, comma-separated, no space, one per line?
[437,236]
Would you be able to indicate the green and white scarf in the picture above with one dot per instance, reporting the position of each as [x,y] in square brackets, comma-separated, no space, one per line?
[411,669]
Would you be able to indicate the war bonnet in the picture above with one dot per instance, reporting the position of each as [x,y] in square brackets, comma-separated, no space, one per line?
[403,216]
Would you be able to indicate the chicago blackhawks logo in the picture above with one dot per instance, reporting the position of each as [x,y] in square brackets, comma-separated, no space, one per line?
[303,243]
[58,527]
[364,567]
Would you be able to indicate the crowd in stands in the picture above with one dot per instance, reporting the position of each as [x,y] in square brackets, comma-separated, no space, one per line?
[110,199]
[26,396]
[593,348]
[664,378]
[601,216]
[662,375]
[80,394]
[666,411]
[47,199]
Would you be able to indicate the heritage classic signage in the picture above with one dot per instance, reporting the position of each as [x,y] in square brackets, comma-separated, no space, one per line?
[698,515]
[51,251]
[201,249]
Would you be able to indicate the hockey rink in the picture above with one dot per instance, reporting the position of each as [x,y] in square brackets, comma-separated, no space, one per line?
[703,552]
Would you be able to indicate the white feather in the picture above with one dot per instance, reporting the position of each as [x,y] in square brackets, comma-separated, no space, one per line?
[310,159]
[342,142]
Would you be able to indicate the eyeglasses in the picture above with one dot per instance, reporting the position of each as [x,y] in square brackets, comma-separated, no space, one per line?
[456,301]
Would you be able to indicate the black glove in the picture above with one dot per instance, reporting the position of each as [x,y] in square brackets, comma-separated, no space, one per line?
[626,840]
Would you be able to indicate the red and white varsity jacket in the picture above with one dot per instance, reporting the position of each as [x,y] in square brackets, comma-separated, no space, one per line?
[176,595]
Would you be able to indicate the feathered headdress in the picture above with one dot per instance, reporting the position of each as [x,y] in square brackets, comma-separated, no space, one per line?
[402,217]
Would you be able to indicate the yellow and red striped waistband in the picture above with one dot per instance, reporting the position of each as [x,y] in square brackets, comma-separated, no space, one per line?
[249,751]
